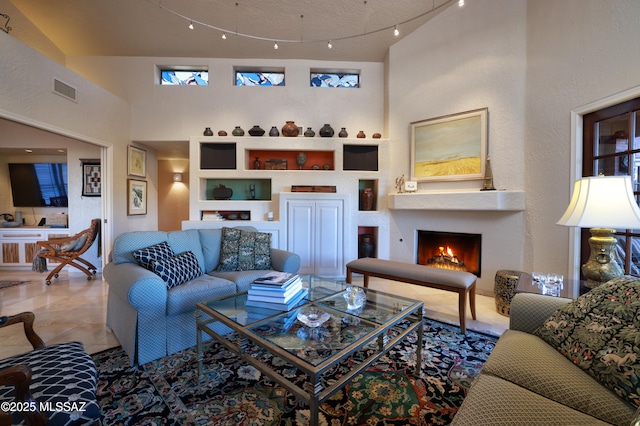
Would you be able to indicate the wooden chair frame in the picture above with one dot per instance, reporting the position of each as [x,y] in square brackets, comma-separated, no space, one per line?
[72,258]
[19,375]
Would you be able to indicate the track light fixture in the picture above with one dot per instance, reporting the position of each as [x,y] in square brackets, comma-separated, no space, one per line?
[396,31]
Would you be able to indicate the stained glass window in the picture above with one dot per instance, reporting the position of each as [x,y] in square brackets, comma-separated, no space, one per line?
[184,78]
[257,78]
[343,80]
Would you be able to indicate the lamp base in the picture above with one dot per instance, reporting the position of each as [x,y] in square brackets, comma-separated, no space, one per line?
[602,265]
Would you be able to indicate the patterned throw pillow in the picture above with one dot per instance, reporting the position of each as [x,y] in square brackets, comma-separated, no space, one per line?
[244,250]
[178,269]
[599,332]
[145,256]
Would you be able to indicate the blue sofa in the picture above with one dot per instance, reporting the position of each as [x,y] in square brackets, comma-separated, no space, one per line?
[151,320]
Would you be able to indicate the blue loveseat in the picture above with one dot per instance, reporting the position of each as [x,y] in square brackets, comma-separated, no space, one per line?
[151,320]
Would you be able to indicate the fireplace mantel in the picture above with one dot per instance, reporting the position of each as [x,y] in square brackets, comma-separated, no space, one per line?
[469,200]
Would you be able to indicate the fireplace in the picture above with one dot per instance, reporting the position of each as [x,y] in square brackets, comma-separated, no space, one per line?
[450,250]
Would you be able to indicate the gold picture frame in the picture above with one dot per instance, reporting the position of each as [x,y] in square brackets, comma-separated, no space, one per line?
[136,197]
[136,161]
[451,147]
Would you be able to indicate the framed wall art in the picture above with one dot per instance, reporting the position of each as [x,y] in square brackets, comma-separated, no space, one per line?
[137,161]
[452,147]
[91,178]
[137,197]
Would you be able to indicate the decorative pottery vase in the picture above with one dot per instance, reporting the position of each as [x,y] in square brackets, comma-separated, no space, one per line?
[377,135]
[256,131]
[222,193]
[343,133]
[257,163]
[207,131]
[309,133]
[237,131]
[274,131]
[222,133]
[301,158]
[290,129]
[326,131]
[361,135]
[366,199]
[366,247]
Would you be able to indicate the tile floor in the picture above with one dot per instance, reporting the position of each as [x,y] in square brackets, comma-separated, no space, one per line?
[72,308]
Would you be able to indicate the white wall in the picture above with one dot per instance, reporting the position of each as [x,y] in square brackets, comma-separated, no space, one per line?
[464,59]
[531,63]
[162,113]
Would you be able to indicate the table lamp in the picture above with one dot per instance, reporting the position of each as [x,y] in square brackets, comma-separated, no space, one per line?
[604,204]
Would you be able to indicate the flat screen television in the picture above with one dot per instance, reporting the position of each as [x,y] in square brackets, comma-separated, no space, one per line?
[39,184]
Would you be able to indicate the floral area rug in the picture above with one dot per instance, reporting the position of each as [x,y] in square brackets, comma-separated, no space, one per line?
[167,391]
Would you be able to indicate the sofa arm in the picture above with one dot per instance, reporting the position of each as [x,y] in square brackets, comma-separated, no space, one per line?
[529,311]
[284,261]
[140,287]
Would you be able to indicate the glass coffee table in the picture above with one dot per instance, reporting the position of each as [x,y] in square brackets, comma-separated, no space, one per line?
[381,322]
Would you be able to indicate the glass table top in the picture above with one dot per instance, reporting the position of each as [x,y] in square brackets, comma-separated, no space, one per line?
[343,327]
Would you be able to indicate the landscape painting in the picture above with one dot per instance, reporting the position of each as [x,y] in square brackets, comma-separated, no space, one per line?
[452,147]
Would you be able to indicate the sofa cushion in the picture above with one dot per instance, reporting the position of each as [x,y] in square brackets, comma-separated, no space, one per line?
[183,298]
[243,279]
[599,332]
[178,269]
[494,401]
[244,250]
[146,256]
[528,361]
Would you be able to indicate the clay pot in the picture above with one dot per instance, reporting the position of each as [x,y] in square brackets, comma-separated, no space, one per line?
[309,133]
[256,131]
[326,131]
[222,193]
[274,131]
[222,133]
[237,131]
[290,129]
[343,133]
[366,247]
[257,163]
[366,199]
[207,131]
[377,135]
[361,135]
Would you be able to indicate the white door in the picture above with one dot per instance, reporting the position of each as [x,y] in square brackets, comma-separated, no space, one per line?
[300,233]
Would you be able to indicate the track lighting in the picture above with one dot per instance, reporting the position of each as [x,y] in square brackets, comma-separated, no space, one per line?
[224,36]
[460,3]
[190,25]
[275,45]
[396,31]
[329,45]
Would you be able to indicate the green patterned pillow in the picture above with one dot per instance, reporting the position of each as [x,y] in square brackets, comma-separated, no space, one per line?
[600,333]
[244,250]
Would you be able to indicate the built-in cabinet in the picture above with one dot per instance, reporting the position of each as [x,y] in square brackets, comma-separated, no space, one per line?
[265,174]
[18,245]
[315,231]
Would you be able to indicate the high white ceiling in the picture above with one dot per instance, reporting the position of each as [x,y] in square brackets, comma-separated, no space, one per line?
[159,28]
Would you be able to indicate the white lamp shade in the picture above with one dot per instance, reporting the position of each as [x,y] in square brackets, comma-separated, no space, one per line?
[602,202]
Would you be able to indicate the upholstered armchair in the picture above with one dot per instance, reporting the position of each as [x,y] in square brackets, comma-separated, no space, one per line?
[49,385]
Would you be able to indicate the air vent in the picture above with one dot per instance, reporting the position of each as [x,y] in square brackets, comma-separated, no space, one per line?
[64,90]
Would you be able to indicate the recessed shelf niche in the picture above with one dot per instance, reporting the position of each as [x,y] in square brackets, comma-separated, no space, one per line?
[243,189]
[218,156]
[360,157]
[288,159]
[367,241]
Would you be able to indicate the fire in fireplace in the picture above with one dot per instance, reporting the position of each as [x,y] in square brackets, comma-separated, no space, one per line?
[450,250]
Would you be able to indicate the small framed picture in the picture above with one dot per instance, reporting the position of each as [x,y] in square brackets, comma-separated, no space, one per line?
[91,178]
[137,161]
[410,186]
[137,197]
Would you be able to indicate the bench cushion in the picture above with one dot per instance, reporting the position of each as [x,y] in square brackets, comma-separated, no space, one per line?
[448,277]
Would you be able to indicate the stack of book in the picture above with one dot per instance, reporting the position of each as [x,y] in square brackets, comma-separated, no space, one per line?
[278,290]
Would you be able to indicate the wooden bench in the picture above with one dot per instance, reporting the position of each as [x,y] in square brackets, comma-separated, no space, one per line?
[463,283]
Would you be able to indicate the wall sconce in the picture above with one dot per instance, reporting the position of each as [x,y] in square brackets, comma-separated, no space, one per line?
[177,177]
